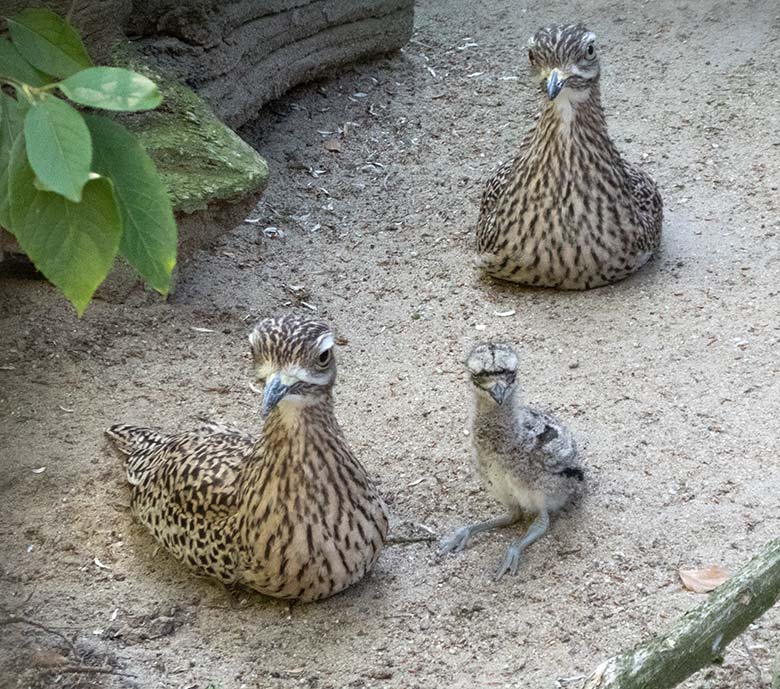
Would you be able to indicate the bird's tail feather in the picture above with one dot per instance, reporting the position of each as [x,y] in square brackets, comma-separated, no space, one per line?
[128,439]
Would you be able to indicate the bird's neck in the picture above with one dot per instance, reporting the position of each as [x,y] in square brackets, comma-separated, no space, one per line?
[289,422]
[491,423]
[485,407]
[294,438]
[572,114]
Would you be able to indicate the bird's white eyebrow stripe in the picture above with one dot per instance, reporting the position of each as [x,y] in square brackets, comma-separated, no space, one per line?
[266,369]
[306,375]
[324,342]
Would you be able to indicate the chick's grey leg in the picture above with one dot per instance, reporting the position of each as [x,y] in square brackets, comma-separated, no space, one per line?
[458,540]
[511,560]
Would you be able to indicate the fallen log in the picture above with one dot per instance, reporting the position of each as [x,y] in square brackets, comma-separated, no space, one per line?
[240,55]
[700,636]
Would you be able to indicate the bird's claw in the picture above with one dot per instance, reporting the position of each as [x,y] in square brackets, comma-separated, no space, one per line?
[456,542]
[510,563]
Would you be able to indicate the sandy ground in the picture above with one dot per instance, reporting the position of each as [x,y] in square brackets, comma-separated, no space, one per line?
[670,379]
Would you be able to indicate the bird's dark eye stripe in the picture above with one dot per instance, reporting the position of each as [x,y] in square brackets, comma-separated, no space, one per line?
[495,374]
[573,472]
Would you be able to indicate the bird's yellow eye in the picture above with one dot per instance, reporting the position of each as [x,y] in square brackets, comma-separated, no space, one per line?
[324,358]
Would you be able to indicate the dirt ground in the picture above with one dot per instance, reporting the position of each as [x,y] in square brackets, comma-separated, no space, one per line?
[670,379]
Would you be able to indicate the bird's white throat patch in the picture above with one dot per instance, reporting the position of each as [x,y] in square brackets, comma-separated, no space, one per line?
[566,102]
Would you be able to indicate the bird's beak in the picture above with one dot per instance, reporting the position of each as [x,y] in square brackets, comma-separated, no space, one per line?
[554,84]
[273,393]
[498,392]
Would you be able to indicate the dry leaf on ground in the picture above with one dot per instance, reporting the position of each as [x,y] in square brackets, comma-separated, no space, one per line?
[703,580]
[333,145]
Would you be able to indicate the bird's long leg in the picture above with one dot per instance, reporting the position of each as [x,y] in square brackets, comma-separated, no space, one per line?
[458,540]
[511,560]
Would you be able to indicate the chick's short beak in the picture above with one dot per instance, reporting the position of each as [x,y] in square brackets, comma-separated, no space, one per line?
[555,83]
[274,392]
[498,392]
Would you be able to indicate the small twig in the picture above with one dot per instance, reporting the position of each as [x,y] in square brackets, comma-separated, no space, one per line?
[403,540]
[752,660]
[71,9]
[399,539]
[38,625]
[400,614]
[85,670]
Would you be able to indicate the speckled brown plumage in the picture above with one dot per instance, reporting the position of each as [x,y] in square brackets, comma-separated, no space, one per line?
[568,211]
[292,514]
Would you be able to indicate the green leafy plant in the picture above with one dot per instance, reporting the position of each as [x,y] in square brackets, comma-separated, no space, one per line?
[76,189]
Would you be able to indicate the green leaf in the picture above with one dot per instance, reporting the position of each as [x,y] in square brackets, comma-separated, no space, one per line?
[149,229]
[111,88]
[11,119]
[48,42]
[72,244]
[13,65]
[59,146]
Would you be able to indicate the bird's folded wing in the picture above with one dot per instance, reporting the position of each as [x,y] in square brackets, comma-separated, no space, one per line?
[208,426]
[487,210]
[494,189]
[197,471]
[645,193]
[549,442]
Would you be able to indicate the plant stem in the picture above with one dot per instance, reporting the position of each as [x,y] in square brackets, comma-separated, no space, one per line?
[16,619]
[700,636]
[12,82]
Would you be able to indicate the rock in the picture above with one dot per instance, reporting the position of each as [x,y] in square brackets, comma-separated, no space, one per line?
[213,176]
[238,56]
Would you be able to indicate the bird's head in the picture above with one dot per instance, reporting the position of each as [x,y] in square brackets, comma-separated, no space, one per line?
[493,368]
[565,57]
[293,357]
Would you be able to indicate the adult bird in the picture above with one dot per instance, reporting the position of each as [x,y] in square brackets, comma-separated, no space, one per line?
[568,211]
[526,458]
[292,514]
